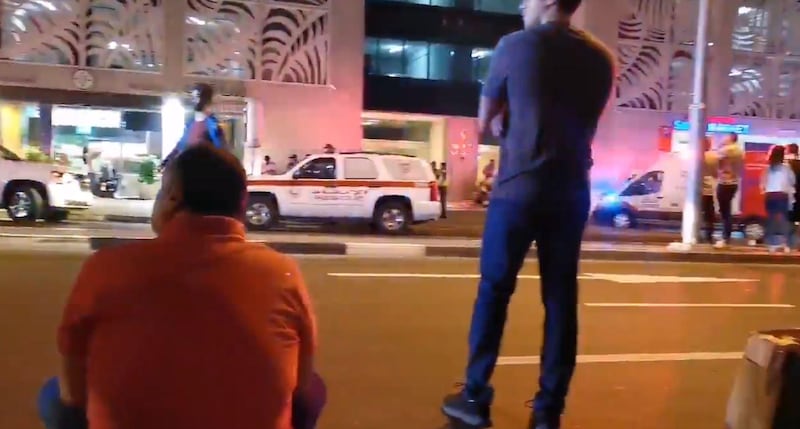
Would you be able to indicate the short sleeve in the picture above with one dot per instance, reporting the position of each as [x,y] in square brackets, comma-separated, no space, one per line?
[495,86]
[78,318]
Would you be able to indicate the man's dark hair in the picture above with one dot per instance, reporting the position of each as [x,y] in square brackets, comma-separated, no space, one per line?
[792,148]
[734,137]
[569,6]
[212,181]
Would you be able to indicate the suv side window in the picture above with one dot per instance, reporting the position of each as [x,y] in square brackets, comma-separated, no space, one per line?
[359,168]
[319,168]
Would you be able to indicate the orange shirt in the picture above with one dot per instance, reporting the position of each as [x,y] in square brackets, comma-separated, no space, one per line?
[195,329]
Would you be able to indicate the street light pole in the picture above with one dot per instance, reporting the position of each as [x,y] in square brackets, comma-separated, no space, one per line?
[690,226]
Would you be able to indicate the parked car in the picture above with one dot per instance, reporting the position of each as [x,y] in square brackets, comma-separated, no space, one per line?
[391,192]
[31,191]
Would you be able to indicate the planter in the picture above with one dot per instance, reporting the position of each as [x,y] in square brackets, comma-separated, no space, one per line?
[149,191]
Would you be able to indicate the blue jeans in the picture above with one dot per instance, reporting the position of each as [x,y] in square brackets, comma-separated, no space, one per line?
[511,228]
[777,206]
[306,409]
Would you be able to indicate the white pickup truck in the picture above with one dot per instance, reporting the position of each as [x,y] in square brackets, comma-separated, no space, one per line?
[31,191]
[391,192]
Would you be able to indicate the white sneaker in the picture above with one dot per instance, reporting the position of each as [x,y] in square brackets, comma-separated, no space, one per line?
[720,244]
[787,249]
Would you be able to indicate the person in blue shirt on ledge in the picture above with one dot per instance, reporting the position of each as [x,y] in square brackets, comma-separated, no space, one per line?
[203,127]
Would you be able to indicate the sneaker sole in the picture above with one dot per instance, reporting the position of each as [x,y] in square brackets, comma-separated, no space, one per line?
[470,420]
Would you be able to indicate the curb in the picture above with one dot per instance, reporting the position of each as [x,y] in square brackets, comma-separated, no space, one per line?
[401,250]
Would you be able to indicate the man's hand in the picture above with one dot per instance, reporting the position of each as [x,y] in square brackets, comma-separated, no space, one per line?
[498,125]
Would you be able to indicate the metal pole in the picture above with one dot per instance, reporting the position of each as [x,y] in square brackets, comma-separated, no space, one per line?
[697,132]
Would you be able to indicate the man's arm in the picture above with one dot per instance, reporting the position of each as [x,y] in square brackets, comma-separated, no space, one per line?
[74,333]
[494,96]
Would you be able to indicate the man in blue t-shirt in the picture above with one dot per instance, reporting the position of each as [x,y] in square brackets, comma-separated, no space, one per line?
[547,88]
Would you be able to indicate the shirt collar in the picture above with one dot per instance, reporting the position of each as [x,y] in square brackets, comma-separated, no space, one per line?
[188,225]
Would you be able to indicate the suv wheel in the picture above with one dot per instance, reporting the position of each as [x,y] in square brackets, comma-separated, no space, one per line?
[24,204]
[261,212]
[392,217]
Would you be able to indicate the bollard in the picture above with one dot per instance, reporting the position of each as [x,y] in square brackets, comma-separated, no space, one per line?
[766,392]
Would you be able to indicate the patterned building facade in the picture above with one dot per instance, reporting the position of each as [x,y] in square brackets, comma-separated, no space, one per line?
[753,71]
[294,66]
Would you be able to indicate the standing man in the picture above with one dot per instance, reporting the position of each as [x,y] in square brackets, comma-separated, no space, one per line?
[731,164]
[443,184]
[551,82]
[793,158]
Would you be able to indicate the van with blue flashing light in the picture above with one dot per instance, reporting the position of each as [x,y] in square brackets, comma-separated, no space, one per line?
[656,197]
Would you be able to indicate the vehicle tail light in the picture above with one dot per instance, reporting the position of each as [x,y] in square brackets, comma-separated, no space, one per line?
[434,191]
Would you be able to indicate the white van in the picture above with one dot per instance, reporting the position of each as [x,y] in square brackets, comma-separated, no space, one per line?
[656,196]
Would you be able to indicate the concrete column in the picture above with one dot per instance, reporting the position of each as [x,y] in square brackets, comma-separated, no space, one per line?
[721,57]
[461,143]
[174,43]
[252,147]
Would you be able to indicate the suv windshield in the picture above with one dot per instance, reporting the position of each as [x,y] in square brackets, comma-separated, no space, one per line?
[7,154]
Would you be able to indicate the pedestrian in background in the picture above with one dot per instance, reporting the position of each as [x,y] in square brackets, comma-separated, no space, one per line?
[195,329]
[443,183]
[269,167]
[710,167]
[731,166]
[203,127]
[778,186]
[547,87]
[793,159]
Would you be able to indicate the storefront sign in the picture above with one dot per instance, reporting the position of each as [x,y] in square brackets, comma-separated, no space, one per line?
[715,127]
[65,116]
[462,147]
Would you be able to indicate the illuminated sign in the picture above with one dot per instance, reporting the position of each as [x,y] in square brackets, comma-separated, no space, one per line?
[715,127]
[87,118]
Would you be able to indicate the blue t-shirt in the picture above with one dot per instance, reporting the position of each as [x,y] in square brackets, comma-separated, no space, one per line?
[555,81]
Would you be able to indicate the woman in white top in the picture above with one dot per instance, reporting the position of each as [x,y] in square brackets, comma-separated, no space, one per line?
[777,184]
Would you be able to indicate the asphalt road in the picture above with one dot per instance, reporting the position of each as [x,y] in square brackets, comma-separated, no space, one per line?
[393,338]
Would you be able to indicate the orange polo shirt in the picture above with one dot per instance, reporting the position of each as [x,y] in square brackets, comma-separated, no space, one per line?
[195,329]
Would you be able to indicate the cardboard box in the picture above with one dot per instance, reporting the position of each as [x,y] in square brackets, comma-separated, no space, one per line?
[766,393]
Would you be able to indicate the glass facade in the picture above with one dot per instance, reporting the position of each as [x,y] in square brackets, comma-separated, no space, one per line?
[423,60]
[494,6]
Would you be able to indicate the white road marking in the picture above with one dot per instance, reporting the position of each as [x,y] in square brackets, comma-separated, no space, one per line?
[615,278]
[645,278]
[682,305]
[629,358]
[418,275]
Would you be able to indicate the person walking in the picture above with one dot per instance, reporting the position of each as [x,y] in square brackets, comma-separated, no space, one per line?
[778,186]
[551,82]
[197,328]
[731,165]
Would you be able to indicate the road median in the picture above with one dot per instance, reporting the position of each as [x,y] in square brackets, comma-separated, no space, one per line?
[317,245]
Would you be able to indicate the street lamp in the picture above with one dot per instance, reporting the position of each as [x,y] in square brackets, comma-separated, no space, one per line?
[690,225]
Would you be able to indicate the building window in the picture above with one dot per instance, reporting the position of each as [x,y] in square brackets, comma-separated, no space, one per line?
[423,60]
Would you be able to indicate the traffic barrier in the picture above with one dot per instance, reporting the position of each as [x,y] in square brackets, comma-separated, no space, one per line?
[766,393]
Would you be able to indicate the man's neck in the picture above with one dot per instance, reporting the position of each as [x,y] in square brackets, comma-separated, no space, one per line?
[557,19]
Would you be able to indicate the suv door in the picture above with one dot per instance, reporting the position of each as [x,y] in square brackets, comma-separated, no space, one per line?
[360,187]
[313,191]
[645,194]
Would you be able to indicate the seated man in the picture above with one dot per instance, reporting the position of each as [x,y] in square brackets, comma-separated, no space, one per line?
[194,329]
